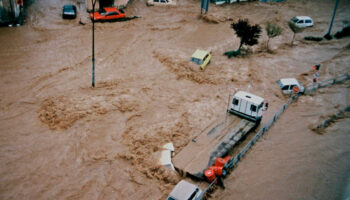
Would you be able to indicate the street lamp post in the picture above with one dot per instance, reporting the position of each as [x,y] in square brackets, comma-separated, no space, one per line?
[93,43]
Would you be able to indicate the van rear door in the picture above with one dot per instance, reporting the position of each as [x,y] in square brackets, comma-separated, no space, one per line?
[242,106]
[253,110]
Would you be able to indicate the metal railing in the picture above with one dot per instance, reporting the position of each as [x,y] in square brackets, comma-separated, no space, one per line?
[327,82]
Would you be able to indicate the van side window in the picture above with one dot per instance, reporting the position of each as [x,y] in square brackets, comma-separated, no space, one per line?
[301,22]
[253,108]
[235,102]
[307,21]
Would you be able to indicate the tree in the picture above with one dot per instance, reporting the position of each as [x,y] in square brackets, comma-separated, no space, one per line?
[296,29]
[272,30]
[249,34]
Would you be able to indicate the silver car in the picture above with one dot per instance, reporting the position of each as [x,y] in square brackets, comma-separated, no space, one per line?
[302,21]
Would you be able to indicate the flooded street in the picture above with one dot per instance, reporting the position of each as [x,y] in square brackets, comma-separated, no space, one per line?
[62,139]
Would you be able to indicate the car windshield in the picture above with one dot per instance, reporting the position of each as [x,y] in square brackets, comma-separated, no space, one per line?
[205,57]
[295,20]
[193,194]
[279,83]
[68,8]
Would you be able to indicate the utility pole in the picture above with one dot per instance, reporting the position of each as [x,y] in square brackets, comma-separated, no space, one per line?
[204,6]
[328,34]
[93,43]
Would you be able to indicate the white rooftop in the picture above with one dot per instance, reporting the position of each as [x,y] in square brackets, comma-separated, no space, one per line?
[183,190]
[200,54]
[249,97]
[289,81]
[303,17]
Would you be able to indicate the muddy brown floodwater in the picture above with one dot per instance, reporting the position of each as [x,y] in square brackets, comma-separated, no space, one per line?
[62,139]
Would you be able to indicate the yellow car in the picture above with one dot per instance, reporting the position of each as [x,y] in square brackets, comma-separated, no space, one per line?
[201,57]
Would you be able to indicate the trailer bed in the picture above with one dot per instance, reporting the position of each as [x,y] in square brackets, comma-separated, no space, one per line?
[215,141]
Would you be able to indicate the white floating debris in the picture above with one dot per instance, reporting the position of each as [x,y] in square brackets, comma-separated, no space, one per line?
[165,156]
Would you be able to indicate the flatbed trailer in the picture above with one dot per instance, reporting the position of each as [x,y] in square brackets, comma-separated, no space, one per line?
[215,141]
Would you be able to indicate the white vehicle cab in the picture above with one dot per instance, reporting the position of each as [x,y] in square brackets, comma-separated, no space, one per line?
[248,106]
[302,21]
[287,85]
[185,191]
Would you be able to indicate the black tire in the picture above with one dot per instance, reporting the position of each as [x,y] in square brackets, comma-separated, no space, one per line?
[258,122]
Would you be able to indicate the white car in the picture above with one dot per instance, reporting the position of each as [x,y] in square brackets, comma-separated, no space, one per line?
[161,2]
[287,85]
[184,191]
[302,21]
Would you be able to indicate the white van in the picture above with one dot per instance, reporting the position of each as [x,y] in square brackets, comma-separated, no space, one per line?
[248,106]
[302,21]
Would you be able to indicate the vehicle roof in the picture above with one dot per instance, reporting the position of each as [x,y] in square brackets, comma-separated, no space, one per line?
[249,97]
[183,190]
[200,54]
[303,17]
[289,81]
[110,9]
[68,6]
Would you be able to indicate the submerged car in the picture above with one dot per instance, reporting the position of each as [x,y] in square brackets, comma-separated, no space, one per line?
[69,12]
[302,21]
[108,14]
[201,57]
[290,85]
[185,191]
